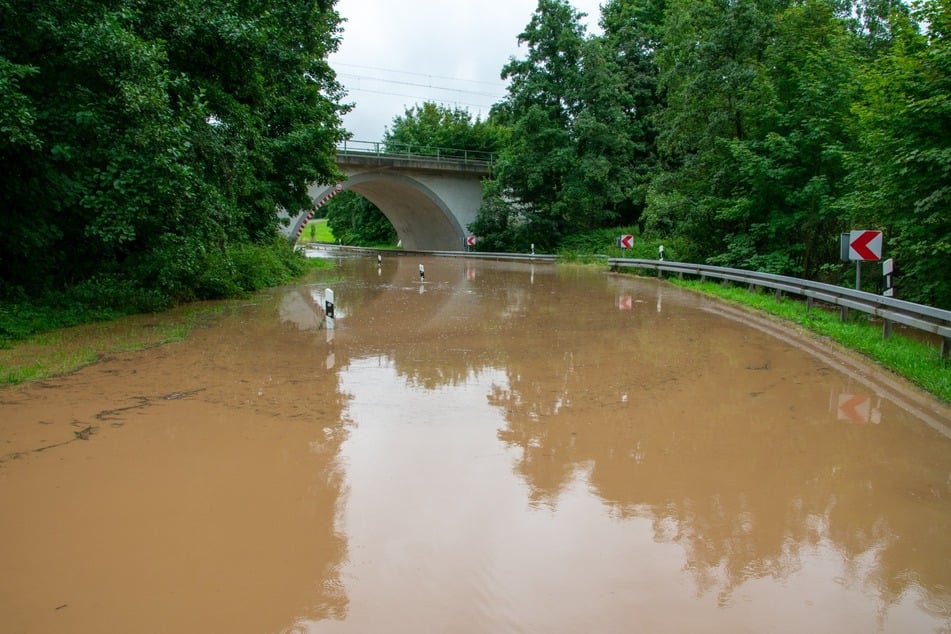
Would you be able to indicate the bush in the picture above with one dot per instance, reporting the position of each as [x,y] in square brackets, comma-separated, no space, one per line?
[180,271]
[262,266]
[604,242]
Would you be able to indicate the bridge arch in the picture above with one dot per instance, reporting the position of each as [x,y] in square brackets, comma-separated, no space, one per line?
[430,200]
[422,219]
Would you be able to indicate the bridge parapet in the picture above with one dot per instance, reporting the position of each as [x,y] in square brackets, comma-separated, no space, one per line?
[420,157]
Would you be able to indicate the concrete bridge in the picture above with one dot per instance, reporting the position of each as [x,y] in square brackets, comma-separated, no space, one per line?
[429,195]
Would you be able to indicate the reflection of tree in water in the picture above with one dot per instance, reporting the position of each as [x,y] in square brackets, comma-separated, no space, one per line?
[747,486]
[276,364]
[434,369]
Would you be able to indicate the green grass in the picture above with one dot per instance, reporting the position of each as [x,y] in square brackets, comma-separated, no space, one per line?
[917,361]
[319,263]
[316,230]
[58,352]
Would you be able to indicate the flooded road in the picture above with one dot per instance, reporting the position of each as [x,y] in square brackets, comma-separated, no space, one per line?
[504,447]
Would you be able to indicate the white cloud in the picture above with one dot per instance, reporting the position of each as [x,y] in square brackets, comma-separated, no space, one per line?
[395,55]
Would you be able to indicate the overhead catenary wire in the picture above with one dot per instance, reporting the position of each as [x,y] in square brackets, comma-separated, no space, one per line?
[418,85]
[408,72]
[419,97]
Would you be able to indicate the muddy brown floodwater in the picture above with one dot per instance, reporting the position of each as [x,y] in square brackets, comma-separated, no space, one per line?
[503,448]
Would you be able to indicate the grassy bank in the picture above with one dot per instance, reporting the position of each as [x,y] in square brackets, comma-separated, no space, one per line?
[908,356]
[317,230]
[41,341]
[65,350]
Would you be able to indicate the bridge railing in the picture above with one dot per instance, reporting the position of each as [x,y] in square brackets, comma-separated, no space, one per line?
[889,309]
[406,150]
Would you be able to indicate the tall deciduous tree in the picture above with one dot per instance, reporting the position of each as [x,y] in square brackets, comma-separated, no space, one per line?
[632,35]
[902,173]
[541,108]
[152,138]
[580,144]
[432,127]
[791,174]
[718,95]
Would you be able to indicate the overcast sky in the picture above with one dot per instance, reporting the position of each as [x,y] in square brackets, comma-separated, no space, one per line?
[395,55]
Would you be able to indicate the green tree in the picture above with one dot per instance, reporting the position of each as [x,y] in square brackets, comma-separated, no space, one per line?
[432,128]
[902,171]
[791,174]
[354,220]
[632,36]
[153,141]
[543,104]
[581,110]
[718,95]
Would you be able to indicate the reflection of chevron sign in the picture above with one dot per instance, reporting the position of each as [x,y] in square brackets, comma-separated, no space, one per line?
[624,302]
[853,408]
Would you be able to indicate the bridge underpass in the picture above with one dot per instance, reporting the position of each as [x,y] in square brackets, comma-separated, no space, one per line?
[430,200]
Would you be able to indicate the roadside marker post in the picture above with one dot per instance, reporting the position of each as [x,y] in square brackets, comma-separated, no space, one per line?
[329,307]
[888,271]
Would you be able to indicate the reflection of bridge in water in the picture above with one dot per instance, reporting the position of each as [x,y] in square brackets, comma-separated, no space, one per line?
[430,195]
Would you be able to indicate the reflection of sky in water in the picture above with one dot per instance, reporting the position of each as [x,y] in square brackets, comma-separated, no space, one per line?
[445,534]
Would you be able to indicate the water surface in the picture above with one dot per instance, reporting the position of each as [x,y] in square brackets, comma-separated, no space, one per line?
[501,448]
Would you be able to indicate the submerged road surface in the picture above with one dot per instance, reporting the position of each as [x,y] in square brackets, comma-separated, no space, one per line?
[499,448]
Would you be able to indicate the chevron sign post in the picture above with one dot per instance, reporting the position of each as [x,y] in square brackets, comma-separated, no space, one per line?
[863,245]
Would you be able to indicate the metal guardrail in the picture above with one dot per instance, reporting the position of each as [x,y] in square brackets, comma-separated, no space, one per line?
[489,255]
[409,151]
[889,309]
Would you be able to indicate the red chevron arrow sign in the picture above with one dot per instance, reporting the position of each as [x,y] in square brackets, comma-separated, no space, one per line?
[627,241]
[865,245]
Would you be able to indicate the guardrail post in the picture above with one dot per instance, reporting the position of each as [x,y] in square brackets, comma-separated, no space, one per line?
[779,295]
[844,313]
[886,328]
[809,303]
[945,347]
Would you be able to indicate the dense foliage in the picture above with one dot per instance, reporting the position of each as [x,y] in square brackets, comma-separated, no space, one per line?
[355,220]
[431,128]
[752,132]
[147,146]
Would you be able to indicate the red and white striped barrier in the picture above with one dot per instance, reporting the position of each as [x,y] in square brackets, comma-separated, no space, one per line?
[310,214]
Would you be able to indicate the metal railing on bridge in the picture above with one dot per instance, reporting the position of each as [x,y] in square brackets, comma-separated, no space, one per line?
[889,309]
[455,156]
